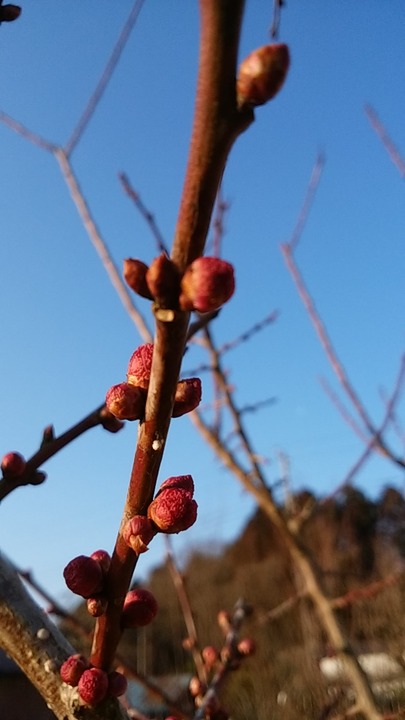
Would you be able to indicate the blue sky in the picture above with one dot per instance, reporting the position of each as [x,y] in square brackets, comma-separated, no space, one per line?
[66,337]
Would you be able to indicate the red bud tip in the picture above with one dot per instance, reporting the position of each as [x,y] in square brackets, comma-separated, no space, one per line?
[73,668]
[117,684]
[125,401]
[140,607]
[207,284]
[93,686]
[13,465]
[163,281]
[138,532]
[182,482]
[246,646]
[210,655]
[84,576]
[262,74]
[135,277]
[103,558]
[173,510]
[140,366]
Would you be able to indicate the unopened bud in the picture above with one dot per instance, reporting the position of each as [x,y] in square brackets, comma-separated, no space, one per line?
[207,284]
[13,465]
[163,281]
[73,668]
[96,606]
[196,687]
[210,655]
[126,401]
[140,607]
[138,532]
[262,74]
[135,277]
[187,397]
[224,621]
[246,646]
[173,510]
[140,365]
[93,686]
[117,684]
[84,576]
[181,482]
[103,558]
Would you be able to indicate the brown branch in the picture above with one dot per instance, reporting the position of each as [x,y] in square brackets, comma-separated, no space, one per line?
[389,145]
[367,592]
[105,78]
[48,449]
[217,123]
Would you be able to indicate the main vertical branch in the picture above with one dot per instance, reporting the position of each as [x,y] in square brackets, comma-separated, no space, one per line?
[217,123]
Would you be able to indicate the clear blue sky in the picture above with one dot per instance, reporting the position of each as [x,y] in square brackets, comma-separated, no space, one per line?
[66,337]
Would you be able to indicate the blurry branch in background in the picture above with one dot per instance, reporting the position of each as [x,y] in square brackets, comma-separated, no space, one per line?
[143,210]
[275,25]
[79,627]
[288,250]
[51,445]
[62,155]
[191,642]
[388,143]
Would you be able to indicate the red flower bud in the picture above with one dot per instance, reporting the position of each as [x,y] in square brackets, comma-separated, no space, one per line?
[262,74]
[140,365]
[102,557]
[246,646]
[140,607]
[13,464]
[187,397]
[138,532]
[135,277]
[93,686]
[126,401]
[196,687]
[182,482]
[207,284]
[117,684]
[173,510]
[163,281]
[210,655]
[73,668]
[96,606]
[84,576]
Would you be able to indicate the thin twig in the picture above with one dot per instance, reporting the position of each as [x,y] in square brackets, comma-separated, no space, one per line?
[146,214]
[20,129]
[104,80]
[388,143]
[100,245]
[308,202]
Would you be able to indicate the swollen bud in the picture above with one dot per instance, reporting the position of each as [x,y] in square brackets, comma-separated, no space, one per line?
[126,401]
[135,277]
[187,397]
[117,683]
[140,607]
[93,686]
[173,510]
[73,668]
[84,576]
[207,284]
[182,482]
[140,365]
[262,74]
[13,465]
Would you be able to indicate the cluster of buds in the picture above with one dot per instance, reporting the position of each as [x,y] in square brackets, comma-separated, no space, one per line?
[262,74]
[217,662]
[85,575]
[206,285]
[126,401]
[174,509]
[94,685]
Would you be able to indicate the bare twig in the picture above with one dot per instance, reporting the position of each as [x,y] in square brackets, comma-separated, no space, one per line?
[24,132]
[389,145]
[104,80]
[50,448]
[146,214]
[308,202]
